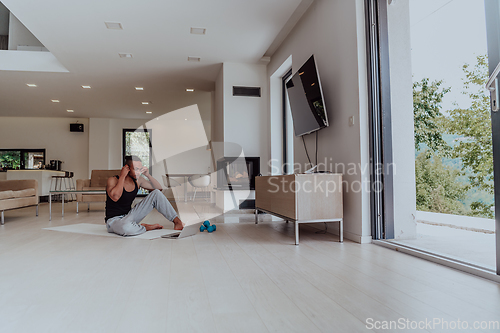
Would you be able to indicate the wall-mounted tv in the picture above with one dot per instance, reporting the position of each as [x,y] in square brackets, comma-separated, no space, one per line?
[306,99]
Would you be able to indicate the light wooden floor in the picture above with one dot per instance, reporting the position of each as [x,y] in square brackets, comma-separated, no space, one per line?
[242,278]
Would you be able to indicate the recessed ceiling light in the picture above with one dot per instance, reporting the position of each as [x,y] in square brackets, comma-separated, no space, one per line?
[189,89]
[149,112]
[185,119]
[146,103]
[70,110]
[139,88]
[55,101]
[114,25]
[125,55]
[31,84]
[86,87]
[197,59]
[198,31]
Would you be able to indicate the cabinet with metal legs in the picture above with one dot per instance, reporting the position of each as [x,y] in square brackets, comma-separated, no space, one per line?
[301,198]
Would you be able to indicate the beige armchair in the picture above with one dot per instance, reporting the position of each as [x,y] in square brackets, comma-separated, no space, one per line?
[97,181]
[18,194]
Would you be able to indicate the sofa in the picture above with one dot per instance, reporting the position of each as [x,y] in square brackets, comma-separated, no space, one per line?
[18,194]
[98,180]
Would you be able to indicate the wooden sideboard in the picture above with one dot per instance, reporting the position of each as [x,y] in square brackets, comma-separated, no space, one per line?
[301,198]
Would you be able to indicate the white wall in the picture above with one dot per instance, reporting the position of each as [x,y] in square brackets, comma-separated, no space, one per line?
[52,134]
[405,226]
[105,142]
[99,137]
[218,111]
[171,135]
[245,119]
[205,104]
[333,30]
[19,35]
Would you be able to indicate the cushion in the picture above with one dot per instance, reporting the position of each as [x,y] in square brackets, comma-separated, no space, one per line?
[29,192]
[94,188]
[18,202]
[6,195]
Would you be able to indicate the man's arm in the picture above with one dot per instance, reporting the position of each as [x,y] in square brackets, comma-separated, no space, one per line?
[115,186]
[151,183]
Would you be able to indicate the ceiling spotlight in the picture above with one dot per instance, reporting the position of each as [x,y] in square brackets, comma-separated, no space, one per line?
[198,31]
[149,112]
[196,59]
[70,110]
[114,25]
[125,55]
[146,103]
[189,89]
[139,88]
[31,84]
[86,87]
[55,101]
[185,119]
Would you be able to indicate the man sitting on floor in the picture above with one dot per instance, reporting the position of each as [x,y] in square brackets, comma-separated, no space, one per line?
[121,191]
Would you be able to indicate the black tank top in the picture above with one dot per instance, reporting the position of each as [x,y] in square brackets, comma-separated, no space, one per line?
[123,205]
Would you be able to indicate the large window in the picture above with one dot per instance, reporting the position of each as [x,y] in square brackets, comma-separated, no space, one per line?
[138,142]
[21,159]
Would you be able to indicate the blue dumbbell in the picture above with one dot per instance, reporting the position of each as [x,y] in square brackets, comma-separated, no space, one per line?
[202,228]
[206,224]
[212,228]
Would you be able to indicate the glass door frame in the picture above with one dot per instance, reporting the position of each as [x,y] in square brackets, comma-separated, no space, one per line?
[379,112]
[286,165]
[492,12]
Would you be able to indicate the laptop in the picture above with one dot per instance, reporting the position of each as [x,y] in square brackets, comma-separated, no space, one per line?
[188,230]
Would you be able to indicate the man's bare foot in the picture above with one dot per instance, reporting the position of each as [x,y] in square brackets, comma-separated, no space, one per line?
[178,224]
[152,226]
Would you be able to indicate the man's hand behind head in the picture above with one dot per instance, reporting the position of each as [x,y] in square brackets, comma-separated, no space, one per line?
[125,171]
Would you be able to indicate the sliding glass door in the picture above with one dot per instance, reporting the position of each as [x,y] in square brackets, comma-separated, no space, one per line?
[492,10]
[429,61]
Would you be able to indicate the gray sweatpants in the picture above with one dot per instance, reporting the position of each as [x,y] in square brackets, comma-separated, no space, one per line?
[128,225]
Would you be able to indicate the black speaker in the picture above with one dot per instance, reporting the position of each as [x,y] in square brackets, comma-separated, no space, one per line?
[76,127]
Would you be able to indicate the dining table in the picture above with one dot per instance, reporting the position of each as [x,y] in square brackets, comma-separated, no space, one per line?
[185,176]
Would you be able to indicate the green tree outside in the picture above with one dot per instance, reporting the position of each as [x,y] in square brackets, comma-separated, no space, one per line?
[469,156]
[427,99]
[10,159]
[473,124]
[437,188]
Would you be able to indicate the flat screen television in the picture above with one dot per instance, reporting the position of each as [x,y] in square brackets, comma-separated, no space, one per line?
[306,99]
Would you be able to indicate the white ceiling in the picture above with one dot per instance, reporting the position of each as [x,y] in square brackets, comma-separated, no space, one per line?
[157,33]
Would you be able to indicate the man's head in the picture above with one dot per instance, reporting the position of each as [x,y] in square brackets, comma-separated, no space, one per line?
[135,165]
